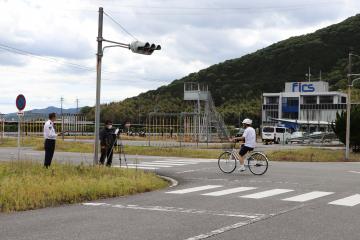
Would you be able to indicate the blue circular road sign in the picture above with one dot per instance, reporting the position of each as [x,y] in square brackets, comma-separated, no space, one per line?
[20,102]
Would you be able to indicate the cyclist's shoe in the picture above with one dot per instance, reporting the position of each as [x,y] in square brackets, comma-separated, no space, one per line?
[242,168]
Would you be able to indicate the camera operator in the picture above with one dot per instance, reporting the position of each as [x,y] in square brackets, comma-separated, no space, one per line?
[107,141]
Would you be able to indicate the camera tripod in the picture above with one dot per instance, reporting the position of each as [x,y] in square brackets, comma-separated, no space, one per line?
[118,145]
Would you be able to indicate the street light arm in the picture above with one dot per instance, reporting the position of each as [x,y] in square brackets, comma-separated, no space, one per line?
[116,45]
[352,54]
[352,83]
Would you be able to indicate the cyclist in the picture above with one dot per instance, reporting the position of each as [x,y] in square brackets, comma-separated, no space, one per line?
[249,138]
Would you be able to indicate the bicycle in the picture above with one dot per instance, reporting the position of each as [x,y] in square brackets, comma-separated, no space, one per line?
[257,162]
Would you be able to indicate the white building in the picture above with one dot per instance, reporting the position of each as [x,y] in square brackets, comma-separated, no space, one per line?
[306,101]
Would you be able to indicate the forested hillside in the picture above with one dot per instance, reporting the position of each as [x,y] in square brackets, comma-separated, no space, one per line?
[236,85]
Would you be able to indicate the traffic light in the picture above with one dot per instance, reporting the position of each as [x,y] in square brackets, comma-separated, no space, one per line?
[144,47]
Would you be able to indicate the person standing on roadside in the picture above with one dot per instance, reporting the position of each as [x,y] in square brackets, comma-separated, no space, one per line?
[107,141]
[50,139]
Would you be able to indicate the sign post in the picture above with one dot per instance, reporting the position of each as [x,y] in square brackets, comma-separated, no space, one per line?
[20,105]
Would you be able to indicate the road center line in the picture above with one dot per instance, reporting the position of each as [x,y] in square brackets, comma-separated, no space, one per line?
[241,224]
[178,210]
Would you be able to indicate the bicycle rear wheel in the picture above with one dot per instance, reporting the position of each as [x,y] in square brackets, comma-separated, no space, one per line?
[258,163]
[227,162]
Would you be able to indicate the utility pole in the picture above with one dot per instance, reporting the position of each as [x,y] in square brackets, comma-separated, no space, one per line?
[62,117]
[320,76]
[348,109]
[98,84]
[76,117]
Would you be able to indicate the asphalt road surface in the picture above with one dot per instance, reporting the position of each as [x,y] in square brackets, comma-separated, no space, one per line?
[291,201]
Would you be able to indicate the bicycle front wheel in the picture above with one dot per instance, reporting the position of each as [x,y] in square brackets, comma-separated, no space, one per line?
[258,163]
[227,162]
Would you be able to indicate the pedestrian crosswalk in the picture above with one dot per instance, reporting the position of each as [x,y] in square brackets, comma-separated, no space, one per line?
[308,196]
[268,193]
[154,165]
[257,193]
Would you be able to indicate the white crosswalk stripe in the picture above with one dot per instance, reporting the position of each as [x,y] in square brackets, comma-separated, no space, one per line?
[153,165]
[137,167]
[348,201]
[195,189]
[148,165]
[267,193]
[228,191]
[179,163]
[160,164]
[168,163]
[308,196]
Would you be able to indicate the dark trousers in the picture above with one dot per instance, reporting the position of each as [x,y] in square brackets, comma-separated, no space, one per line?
[106,152]
[49,146]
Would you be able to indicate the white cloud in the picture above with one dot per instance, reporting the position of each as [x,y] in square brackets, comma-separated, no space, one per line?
[193,35]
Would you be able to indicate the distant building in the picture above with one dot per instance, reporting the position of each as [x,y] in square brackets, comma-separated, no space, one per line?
[303,101]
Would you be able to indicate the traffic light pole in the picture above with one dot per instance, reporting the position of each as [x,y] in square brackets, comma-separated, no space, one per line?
[348,110]
[136,47]
[99,56]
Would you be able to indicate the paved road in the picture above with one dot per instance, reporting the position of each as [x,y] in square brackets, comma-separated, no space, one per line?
[292,201]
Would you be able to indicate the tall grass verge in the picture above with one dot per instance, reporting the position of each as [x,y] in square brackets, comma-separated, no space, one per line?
[27,185]
[310,155]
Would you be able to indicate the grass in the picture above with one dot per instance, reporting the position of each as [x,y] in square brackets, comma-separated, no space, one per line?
[27,185]
[311,155]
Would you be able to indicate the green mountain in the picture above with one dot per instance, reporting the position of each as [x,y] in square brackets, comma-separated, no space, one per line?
[237,84]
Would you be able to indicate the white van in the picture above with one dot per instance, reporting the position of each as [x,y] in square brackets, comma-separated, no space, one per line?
[275,134]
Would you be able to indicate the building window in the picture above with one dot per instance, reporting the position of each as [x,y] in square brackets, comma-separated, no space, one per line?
[310,99]
[326,99]
[291,101]
[290,115]
[343,99]
[272,100]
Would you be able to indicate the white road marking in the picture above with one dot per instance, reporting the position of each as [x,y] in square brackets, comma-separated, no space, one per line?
[228,191]
[164,163]
[348,201]
[354,172]
[218,231]
[195,189]
[308,196]
[267,193]
[148,165]
[176,162]
[191,160]
[241,224]
[187,171]
[94,204]
[179,210]
[138,167]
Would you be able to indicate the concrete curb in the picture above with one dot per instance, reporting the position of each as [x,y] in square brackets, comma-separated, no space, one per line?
[174,182]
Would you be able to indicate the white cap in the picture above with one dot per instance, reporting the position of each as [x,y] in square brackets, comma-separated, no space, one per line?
[247,121]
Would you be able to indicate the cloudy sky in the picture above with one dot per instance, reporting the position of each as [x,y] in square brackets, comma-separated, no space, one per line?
[47,47]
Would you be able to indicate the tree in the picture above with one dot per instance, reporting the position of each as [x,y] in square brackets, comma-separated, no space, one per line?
[339,127]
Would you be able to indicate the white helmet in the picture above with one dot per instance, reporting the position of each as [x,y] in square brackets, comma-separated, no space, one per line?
[247,121]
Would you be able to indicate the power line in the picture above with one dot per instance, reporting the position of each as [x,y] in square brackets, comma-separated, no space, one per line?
[49,59]
[117,23]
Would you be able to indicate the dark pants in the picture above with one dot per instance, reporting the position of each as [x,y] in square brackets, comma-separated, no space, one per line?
[244,149]
[49,146]
[106,152]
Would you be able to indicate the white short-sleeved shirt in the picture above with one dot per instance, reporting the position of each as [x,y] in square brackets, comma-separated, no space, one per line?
[49,130]
[250,137]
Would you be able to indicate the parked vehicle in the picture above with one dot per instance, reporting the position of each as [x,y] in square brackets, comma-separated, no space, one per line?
[298,137]
[270,134]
